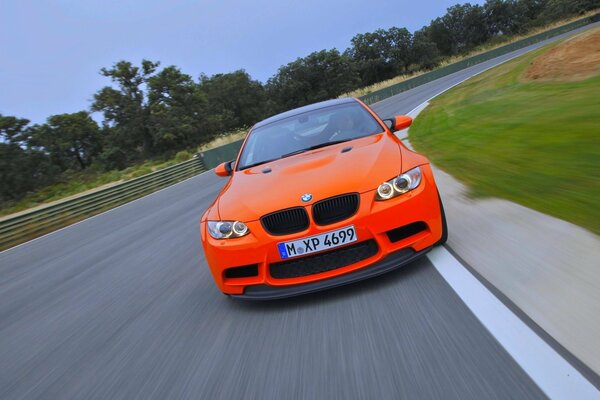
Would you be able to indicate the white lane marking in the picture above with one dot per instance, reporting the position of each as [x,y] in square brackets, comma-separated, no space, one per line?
[469,77]
[102,213]
[552,373]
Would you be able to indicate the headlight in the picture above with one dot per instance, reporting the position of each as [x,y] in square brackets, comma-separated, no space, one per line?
[385,191]
[227,229]
[401,184]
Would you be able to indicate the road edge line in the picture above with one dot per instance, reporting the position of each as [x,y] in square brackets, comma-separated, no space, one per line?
[554,375]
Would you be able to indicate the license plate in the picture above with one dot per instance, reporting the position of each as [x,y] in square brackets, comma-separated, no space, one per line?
[316,243]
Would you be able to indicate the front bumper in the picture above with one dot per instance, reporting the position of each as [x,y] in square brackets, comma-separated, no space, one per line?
[374,221]
[389,263]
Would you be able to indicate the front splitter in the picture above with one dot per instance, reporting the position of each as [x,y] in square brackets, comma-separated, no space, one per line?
[391,262]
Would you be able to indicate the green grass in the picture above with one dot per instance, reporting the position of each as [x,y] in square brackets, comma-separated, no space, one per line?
[534,143]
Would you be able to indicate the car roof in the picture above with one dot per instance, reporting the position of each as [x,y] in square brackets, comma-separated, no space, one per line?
[301,110]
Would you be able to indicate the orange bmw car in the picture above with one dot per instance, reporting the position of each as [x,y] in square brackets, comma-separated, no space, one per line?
[318,197]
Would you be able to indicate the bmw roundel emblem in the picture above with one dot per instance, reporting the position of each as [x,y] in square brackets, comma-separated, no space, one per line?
[306,197]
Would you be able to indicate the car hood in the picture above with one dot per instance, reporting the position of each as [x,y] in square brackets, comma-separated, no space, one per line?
[323,173]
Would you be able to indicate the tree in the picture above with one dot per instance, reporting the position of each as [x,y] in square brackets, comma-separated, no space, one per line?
[372,54]
[505,17]
[71,140]
[177,111]
[150,113]
[234,98]
[460,29]
[12,128]
[440,34]
[125,110]
[21,169]
[400,48]
[425,53]
[319,76]
[557,9]
[532,10]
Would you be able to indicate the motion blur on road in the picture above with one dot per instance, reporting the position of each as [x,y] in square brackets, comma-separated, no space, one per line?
[122,306]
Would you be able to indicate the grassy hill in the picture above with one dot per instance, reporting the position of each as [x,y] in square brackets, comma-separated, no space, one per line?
[527,131]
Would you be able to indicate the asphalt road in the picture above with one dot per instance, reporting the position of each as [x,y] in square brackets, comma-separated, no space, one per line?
[122,306]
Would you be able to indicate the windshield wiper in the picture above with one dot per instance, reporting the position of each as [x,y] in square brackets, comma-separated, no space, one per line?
[316,146]
[258,163]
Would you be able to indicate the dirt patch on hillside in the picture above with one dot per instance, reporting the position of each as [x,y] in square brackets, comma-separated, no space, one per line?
[573,60]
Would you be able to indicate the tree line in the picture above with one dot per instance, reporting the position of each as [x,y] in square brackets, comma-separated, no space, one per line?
[148,111]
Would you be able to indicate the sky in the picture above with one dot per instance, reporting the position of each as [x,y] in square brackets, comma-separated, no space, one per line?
[51,52]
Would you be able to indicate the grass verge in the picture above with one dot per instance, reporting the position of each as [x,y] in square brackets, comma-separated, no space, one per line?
[534,143]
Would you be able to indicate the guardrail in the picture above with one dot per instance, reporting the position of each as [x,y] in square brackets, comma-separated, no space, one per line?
[217,155]
[393,90]
[29,225]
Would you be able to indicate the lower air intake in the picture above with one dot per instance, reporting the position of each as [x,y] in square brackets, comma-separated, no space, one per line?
[245,271]
[398,234]
[324,262]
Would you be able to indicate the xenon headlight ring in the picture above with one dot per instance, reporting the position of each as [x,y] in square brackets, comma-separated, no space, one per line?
[227,229]
[401,184]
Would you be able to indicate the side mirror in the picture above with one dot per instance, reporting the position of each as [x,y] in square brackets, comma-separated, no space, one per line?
[399,122]
[224,169]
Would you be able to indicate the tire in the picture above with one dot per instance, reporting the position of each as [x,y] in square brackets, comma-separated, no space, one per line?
[444,237]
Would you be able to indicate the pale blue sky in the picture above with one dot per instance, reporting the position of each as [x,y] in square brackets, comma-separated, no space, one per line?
[51,51]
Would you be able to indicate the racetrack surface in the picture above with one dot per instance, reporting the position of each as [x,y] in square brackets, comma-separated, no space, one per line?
[122,306]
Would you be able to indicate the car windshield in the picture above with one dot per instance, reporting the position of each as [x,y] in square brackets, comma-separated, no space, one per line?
[307,131]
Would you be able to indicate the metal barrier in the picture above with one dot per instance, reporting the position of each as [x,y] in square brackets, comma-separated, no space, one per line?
[216,156]
[28,225]
[469,62]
